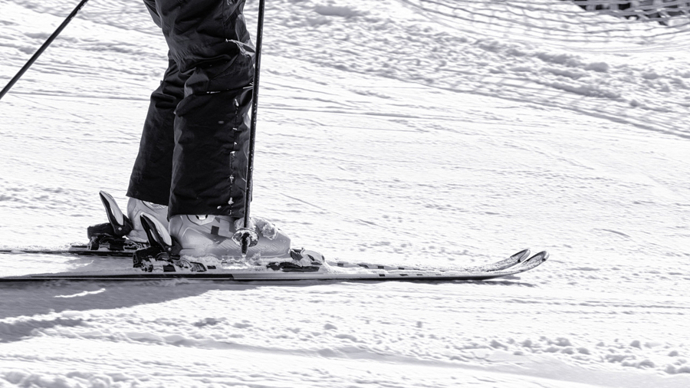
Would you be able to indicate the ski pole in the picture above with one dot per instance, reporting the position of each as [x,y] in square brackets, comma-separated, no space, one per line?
[244,236]
[40,50]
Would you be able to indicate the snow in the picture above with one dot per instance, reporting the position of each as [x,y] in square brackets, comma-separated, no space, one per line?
[447,133]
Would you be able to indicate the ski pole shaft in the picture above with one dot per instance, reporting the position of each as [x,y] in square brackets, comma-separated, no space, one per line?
[41,49]
[255,105]
[245,236]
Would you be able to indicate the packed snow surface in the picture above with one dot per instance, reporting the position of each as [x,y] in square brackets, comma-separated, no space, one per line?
[446,132]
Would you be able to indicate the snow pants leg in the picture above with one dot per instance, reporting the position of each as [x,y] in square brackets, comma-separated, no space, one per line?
[194,147]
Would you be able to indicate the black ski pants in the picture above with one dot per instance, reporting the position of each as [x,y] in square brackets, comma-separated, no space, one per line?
[194,146]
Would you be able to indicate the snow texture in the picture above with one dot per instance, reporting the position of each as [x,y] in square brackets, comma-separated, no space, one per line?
[438,132]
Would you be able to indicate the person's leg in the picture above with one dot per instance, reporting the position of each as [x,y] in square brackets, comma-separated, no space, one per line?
[152,171]
[149,183]
[209,42]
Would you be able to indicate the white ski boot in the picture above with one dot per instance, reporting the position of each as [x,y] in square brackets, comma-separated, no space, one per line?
[199,245]
[212,235]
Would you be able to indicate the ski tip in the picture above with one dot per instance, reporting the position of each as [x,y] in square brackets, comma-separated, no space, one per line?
[542,256]
[521,256]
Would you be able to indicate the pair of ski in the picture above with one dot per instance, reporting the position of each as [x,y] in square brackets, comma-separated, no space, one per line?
[336,271]
[157,260]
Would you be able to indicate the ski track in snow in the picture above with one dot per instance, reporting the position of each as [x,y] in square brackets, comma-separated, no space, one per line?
[399,131]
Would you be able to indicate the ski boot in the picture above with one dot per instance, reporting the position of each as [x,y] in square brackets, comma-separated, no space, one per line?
[212,235]
[203,243]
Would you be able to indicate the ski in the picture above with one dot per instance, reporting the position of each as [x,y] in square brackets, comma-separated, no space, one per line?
[283,271]
[84,250]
